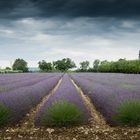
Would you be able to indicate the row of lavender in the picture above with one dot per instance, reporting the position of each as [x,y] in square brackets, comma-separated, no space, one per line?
[21,80]
[109,91]
[66,92]
[124,81]
[16,103]
[6,79]
[9,78]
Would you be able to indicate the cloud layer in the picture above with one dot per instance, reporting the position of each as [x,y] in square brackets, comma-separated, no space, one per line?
[69,8]
[79,29]
[78,38]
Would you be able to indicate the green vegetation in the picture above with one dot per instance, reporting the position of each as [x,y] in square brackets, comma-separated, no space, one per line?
[58,66]
[67,65]
[44,66]
[64,64]
[84,65]
[4,115]
[120,66]
[10,71]
[96,64]
[128,113]
[62,113]
[20,65]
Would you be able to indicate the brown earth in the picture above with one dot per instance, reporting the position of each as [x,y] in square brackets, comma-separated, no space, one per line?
[96,130]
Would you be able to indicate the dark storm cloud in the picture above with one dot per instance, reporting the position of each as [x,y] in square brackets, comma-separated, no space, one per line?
[69,8]
[18,9]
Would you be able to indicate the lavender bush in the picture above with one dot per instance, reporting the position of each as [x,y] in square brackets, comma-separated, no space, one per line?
[106,97]
[62,113]
[125,81]
[10,78]
[128,113]
[21,100]
[65,92]
[15,78]
[22,83]
[4,115]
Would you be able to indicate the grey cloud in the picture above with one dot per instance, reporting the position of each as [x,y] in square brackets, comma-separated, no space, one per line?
[83,38]
[69,8]
[73,27]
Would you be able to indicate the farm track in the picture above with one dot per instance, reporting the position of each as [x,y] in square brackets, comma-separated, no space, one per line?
[29,120]
[97,119]
[96,130]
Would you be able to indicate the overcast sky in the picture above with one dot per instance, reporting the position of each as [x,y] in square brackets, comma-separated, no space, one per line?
[79,29]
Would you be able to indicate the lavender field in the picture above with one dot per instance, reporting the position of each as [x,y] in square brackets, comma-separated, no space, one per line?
[108,91]
[65,92]
[19,93]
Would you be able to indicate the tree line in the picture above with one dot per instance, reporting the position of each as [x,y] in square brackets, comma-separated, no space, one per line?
[66,64]
[120,66]
[59,65]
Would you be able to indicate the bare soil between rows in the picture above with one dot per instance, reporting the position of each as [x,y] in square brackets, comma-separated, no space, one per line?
[97,129]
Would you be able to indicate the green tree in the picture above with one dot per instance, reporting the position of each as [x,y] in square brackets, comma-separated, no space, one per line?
[120,66]
[122,59]
[45,66]
[8,68]
[20,64]
[84,65]
[64,64]
[96,64]
[104,62]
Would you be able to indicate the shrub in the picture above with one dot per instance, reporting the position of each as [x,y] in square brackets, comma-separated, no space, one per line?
[4,115]
[128,113]
[62,113]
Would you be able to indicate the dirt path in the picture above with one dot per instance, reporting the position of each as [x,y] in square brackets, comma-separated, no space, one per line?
[101,128]
[96,130]
[97,119]
[28,122]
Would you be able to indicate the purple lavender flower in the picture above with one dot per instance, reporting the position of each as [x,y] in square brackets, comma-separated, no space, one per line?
[105,91]
[65,92]
[21,100]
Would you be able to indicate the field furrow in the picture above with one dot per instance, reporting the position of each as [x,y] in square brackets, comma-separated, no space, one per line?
[105,97]
[19,102]
[65,93]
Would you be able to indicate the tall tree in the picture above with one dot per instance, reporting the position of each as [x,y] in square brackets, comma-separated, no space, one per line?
[96,64]
[20,64]
[84,65]
[45,66]
[64,64]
